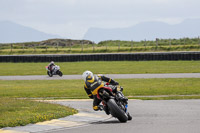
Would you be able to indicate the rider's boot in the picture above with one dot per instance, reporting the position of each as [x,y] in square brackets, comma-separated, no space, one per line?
[105,108]
[129,117]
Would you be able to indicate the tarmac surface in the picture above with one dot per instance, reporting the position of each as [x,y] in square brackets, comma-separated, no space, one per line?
[149,116]
[115,76]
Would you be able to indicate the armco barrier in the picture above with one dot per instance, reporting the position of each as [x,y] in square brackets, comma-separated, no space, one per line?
[103,57]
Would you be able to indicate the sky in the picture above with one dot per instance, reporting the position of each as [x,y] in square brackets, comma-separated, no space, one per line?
[72,18]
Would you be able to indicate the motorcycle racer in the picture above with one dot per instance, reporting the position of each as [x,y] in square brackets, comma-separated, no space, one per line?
[93,83]
[50,66]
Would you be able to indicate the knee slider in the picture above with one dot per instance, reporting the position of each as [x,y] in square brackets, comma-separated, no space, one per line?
[96,108]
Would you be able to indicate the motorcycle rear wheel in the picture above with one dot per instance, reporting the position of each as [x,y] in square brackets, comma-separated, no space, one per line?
[116,111]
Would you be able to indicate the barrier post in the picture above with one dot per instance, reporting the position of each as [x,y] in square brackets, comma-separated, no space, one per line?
[156,43]
[199,39]
[119,46]
[70,46]
[34,47]
[46,47]
[23,46]
[106,46]
[57,46]
[93,46]
[11,47]
[82,46]
[184,41]
[131,45]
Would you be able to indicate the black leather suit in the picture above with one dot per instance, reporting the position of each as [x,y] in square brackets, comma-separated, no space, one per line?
[92,85]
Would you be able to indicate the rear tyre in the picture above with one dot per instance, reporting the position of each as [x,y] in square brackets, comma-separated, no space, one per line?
[116,111]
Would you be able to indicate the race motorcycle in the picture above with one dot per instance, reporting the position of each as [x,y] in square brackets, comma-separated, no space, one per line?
[55,71]
[112,97]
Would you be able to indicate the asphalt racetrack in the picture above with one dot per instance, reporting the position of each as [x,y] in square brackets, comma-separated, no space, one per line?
[149,116]
[115,76]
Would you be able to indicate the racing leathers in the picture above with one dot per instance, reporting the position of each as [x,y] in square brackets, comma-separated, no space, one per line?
[92,86]
[50,67]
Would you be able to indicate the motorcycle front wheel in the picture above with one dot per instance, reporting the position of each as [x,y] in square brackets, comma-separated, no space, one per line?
[48,73]
[116,111]
[59,73]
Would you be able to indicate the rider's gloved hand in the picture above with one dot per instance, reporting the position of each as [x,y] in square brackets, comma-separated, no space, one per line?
[115,83]
[121,89]
[91,96]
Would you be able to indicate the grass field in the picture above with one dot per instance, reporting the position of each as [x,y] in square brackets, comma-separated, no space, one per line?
[74,88]
[100,67]
[20,112]
[112,49]
[109,46]
[102,49]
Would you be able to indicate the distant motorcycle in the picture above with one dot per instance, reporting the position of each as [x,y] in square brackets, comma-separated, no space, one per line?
[55,71]
[116,107]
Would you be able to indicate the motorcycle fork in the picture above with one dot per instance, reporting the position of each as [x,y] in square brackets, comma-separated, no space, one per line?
[120,103]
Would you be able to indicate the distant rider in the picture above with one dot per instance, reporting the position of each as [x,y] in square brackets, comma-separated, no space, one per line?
[93,83]
[50,66]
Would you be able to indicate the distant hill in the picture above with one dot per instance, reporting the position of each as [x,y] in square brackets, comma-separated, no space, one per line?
[11,32]
[146,30]
[51,42]
[64,42]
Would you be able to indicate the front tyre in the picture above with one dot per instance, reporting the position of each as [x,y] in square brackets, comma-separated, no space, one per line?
[49,73]
[59,73]
[116,111]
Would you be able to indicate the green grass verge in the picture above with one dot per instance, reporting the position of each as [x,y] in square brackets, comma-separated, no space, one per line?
[110,48]
[74,88]
[103,67]
[20,112]
[62,46]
